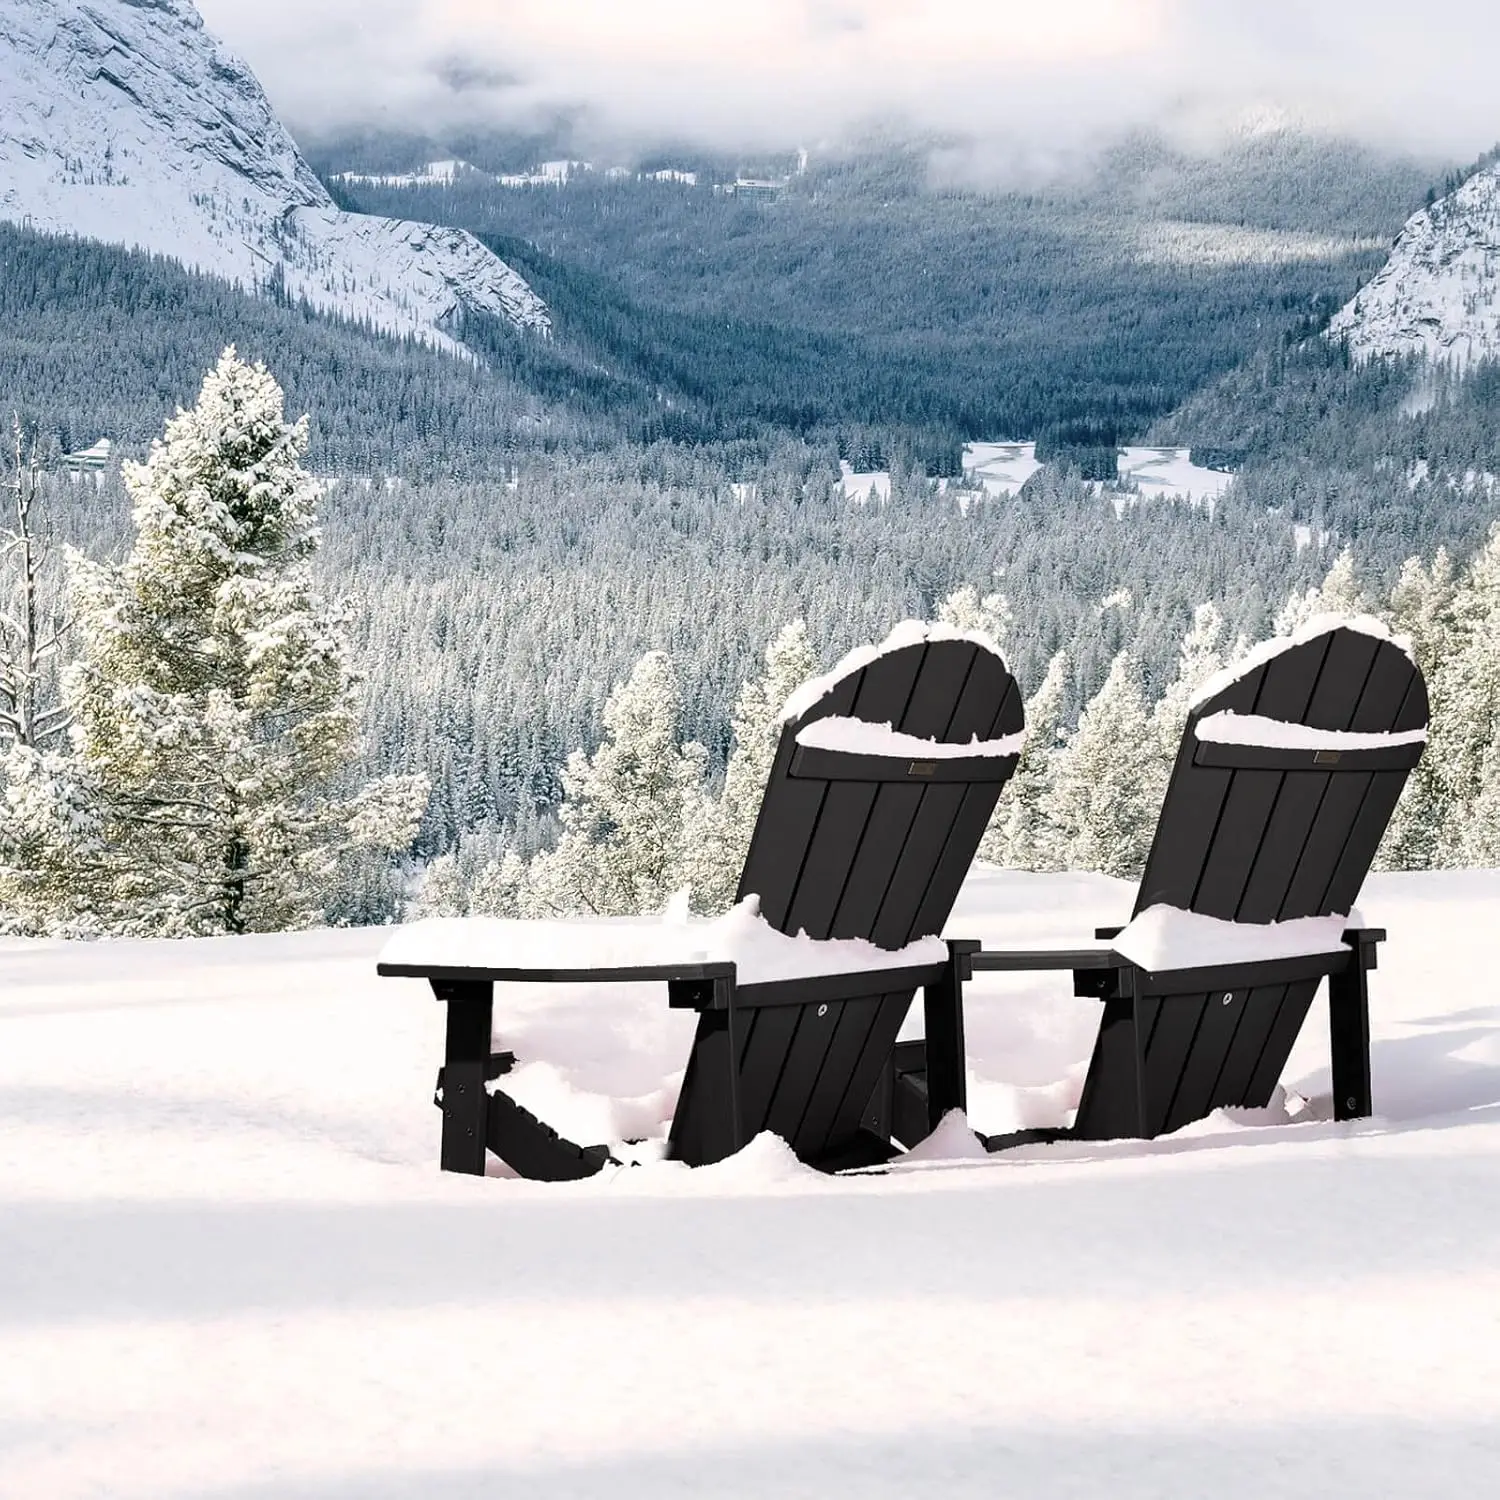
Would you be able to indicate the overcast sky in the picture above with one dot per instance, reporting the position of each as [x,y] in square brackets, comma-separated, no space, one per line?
[1044,74]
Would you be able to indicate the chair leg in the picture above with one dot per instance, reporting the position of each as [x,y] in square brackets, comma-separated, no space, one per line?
[465,1065]
[1349,1040]
[943,1017]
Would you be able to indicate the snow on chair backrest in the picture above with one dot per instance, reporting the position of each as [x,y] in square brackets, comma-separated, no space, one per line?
[872,818]
[1289,770]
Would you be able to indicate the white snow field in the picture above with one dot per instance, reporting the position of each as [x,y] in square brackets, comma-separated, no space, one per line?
[1002,468]
[861,485]
[230,1269]
[1170,474]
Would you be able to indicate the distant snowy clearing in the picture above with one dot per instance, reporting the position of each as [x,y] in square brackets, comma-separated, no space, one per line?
[1190,243]
[861,485]
[1170,474]
[1155,473]
[1002,468]
[232,1268]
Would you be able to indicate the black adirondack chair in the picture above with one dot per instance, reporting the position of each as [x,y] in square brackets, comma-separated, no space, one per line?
[1251,833]
[846,845]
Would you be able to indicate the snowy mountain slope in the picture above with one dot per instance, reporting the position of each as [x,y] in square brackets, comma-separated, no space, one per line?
[125,121]
[1439,293]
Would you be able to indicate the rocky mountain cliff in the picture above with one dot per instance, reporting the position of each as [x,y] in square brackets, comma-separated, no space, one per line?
[1439,293]
[126,121]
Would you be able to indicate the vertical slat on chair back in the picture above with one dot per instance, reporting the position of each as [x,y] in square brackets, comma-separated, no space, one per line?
[876,860]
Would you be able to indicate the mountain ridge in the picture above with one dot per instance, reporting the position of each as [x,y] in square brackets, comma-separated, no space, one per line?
[1438,294]
[126,121]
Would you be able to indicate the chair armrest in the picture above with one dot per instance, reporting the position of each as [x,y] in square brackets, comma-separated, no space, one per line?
[1021,960]
[510,974]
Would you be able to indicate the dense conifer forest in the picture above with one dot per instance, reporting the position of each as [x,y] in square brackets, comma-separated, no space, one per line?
[516,532]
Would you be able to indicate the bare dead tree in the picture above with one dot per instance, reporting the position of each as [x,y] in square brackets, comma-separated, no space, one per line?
[28,642]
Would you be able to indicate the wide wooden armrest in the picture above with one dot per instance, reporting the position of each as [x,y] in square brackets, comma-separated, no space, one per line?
[1361,951]
[510,974]
[690,986]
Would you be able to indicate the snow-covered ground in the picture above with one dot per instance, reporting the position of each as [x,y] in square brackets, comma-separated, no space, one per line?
[1157,473]
[434,174]
[232,1269]
[862,484]
[1002,468]
[1170,473]
[1190,243]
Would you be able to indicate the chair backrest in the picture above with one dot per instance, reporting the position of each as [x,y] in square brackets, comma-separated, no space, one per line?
[1257,832]
[850,845]
[1250,833]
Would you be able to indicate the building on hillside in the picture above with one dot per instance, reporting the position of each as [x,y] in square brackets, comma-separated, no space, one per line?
[87,460]
[756,189]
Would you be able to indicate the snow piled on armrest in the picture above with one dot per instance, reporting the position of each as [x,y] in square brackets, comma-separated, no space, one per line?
[1270,650]
[1164,938]
[907,633]
[860,737]
[741,936]
[1229,728]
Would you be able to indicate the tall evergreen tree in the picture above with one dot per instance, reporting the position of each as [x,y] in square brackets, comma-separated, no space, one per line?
[720,839]
[626,808]
[1104,796]
[1024,834]
[214,706]
[966,609]
[1422,610]
[1465,691]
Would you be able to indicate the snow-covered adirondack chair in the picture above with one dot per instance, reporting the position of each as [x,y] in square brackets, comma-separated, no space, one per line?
[1289,770]
[886,775]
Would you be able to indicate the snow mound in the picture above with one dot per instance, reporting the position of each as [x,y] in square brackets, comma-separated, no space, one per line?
[953,1140]
[126,122]
[860,737]
[907,633]
[1268,651]
[767,1161]
[741,936]
[1164,938]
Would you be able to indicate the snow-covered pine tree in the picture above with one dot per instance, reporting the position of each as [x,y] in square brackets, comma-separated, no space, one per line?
[966,609]
[29,636]
[720,838]
[51,845]
[1422,609]
[626,808]
[214,706]
[442,893]
[498,886]
[1200,656]
[1464,687]
[1340,593]
[1023,834]
[1104,796]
